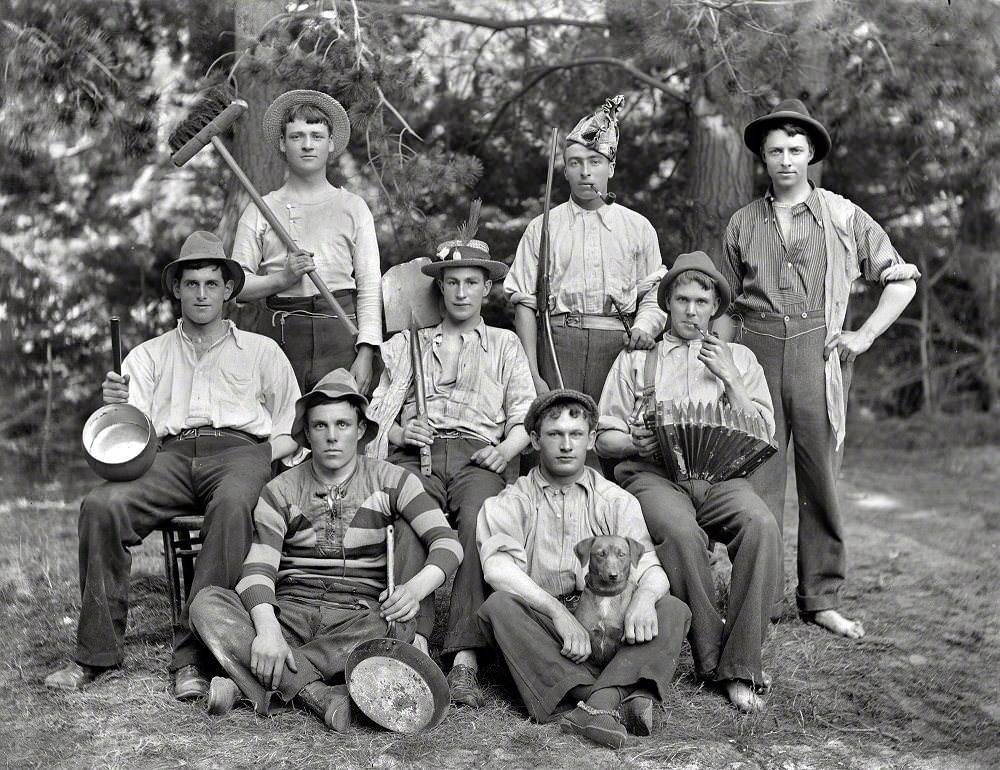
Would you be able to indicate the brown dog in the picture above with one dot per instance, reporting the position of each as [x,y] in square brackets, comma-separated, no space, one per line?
[608,592]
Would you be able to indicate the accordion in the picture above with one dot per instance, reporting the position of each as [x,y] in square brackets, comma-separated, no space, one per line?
[711,442]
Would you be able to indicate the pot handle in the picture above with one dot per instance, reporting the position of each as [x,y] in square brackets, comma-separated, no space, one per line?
[390,561]
[116,344]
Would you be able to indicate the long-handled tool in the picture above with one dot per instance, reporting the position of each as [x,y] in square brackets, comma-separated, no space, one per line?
[206,122]
[419,391]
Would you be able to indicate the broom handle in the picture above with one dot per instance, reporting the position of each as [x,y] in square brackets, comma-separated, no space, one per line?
[278,228]
[116,344]
[390,566]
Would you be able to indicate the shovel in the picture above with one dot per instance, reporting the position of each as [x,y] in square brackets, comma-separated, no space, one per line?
[392,682]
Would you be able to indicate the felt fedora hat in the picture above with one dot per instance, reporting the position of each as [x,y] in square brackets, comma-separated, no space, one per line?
[338,384]
[788,111]
[700,261]
[557,396]
[199,246]
[274,120]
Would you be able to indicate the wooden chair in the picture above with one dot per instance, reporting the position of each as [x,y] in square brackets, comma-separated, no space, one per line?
[181,544]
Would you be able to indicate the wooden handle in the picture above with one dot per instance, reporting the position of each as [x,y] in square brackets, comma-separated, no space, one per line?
[281,232]
[390,566]
[419,392]
[116,344]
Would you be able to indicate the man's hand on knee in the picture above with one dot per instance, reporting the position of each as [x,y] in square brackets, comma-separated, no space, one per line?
[575,639]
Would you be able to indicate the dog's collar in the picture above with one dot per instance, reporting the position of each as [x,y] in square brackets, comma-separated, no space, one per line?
[600,591]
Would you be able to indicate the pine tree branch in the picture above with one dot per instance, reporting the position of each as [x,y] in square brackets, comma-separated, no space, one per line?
[480,21]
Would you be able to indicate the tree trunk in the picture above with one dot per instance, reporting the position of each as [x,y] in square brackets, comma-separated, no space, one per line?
[721,168]
[926,353]
[258,87]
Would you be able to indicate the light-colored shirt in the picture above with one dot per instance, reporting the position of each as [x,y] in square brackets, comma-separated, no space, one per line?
[536,525]
[491,391]
[680,377]
[244,382]
[309,532]
[340,233]
[595,256]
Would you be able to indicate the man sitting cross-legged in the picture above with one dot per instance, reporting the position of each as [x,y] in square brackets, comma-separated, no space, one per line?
[479,388]
[314,581]
[221,401]
[683,515]
[527,535]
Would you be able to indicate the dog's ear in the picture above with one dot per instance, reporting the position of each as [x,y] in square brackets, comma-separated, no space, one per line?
[582,550]
[635,550]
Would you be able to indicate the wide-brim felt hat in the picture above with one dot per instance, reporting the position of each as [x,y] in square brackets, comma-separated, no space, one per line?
[338,384]
[557,396]
[273,123]
[788,111]
[464,254]
[199,246]
[700,261]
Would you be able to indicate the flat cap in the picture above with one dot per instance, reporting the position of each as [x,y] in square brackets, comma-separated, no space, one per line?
[559,395]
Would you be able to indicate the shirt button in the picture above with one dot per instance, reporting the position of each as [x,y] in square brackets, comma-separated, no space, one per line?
[763,315]
[804,315]
[787,319]
[789,264]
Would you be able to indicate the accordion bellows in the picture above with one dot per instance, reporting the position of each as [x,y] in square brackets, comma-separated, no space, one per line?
[711,442]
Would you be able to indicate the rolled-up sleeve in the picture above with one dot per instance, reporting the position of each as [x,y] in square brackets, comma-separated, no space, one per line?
[877,257]
[756,385]
[501,529]
[520,284]
[619,395]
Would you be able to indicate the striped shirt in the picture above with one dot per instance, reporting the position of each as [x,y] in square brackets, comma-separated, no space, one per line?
[490,393]
[596,256]
[537,525]
[771,273]
[308,532]
[243,381]
[680,377]
[340,233]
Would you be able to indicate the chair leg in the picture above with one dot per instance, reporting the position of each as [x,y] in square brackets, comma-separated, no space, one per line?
[173,579]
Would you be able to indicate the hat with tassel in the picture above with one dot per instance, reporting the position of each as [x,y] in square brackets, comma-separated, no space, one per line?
[599,132]
[465,251]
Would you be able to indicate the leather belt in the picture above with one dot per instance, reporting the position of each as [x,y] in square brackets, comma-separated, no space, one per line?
[607,323]
[190,433]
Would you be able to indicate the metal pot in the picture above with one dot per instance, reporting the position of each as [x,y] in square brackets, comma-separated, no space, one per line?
[392,682]
[119,442]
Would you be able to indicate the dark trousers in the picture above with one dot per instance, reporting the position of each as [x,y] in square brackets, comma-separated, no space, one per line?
[530,645]
[321,628]
[794,368]
[681,518]
[314,346]
[459,487]
[220,477]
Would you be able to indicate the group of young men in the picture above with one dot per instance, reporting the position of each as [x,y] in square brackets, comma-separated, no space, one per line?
[292,572]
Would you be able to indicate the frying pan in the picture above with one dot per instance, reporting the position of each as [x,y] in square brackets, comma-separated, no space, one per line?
[119,441]
[392,682]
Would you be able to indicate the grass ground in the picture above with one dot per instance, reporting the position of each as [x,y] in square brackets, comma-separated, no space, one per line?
[918,692]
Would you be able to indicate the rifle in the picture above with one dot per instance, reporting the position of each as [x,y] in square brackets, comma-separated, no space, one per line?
[543,289]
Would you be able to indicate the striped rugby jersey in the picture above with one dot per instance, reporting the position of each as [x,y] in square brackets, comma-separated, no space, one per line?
[306,531]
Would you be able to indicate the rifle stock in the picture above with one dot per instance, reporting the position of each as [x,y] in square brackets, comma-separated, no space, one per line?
[546,349]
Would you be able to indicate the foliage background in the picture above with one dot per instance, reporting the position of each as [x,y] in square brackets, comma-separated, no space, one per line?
[454,100]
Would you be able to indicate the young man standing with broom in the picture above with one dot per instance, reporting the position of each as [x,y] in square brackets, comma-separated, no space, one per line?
[335,233]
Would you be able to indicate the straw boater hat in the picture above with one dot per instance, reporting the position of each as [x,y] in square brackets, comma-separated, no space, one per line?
[788,111]
[700,261]
[274,118]
[465,251]
[202,245]
[338,384]
[599,132]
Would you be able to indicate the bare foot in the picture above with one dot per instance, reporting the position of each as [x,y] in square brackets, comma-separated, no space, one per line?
[420,643]
[836,623]
[741,694]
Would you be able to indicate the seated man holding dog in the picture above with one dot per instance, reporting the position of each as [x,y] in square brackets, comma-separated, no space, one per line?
[534,538]
[221,401]
[314,581]
[478,388]
[682,516]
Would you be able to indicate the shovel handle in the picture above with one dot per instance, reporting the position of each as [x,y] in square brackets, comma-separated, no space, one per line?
[116,343]
[390,563]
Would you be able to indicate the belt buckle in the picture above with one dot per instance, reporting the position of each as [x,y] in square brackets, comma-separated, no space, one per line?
[188,433]
[574,320]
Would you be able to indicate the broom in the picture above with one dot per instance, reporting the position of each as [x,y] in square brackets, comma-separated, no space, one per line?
[210,117]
